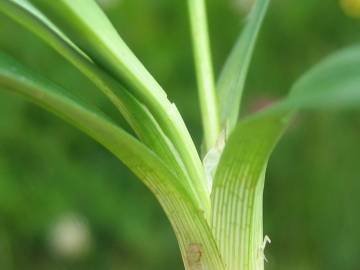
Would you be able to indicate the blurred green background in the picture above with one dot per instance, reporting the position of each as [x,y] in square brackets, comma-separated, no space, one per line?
[56,185]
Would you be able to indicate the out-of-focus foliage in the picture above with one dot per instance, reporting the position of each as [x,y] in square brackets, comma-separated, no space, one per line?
[49,171]
[351,7]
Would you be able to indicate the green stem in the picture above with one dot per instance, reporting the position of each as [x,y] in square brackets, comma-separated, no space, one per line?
[204,72]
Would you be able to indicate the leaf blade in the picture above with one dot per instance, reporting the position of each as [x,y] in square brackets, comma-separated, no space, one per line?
[137,115]
[239,180]
[233,75]
[89,28]
[186,218]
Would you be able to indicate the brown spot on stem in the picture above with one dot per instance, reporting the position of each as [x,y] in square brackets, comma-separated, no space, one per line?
[194,254]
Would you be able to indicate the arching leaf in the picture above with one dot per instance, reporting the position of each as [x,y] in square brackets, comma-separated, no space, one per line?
[89,28]
[137,115]
[194,235]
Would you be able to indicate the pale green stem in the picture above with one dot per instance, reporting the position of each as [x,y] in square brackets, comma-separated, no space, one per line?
[204,72]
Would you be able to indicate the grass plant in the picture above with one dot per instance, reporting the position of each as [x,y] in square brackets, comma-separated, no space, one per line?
[213,201]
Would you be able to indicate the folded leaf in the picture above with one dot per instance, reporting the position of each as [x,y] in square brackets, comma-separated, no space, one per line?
[89,28]
[194,235]
[233,76]
[239,180]
[238,190]
[137,115]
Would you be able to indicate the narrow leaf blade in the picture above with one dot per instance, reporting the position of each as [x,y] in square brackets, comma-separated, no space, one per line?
[89,28]
[137,115]
[233,76]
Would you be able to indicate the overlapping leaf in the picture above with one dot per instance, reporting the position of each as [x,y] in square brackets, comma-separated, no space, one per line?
[89,28]
[239,180]
[139,118]
[167,162]
[191,228]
